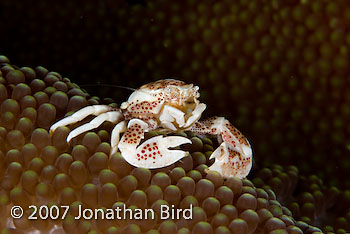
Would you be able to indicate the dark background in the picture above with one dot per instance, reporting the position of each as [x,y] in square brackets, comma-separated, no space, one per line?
[278,70]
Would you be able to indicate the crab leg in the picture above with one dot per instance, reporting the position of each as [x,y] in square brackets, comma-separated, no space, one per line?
[81,114]
[171,114]
[119,128]
[112,116]
[196,114]
[234,156]
[154,152]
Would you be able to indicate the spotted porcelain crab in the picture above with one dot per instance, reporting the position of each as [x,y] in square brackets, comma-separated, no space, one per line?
[171,106]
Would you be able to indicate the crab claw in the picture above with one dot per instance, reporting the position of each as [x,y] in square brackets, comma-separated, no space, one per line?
[230,161]
[234,156]
[155,153]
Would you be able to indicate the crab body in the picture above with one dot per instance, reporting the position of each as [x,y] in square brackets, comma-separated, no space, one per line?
[170,106]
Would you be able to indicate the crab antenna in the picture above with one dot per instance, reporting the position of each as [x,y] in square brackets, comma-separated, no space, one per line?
[107,85]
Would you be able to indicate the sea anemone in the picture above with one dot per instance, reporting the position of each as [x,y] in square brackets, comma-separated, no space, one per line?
[43,170]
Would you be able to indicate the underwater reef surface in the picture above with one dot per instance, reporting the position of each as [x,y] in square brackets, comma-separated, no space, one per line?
[279,70]
[37,168]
